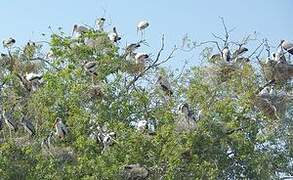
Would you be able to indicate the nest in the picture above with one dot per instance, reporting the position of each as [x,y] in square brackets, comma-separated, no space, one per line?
[221,71]
[266,107]
[185,124]
[96,91]
[135,68]
[135,171]
[279,71]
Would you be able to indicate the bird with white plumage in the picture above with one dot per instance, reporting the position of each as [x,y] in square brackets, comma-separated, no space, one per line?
[141,26]
[287,46]
[8,43]
[113,36]
[100,23]
[78,30]
[226,54]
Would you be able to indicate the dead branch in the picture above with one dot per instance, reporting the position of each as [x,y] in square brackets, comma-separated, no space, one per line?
[154,64]
[261,44]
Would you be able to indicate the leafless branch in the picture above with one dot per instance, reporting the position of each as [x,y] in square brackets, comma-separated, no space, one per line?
[218,37]
[46,61]
[206,42]
[154,64]
[261,44]
[226,32]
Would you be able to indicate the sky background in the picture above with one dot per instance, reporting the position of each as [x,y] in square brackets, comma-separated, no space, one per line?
[27,19]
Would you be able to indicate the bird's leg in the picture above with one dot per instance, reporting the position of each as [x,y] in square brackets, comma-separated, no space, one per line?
[92,79]
[4,136]
[10,134]
[37,122]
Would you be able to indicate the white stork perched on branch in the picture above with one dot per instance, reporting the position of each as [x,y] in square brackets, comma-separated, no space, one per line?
[287,46]
[8,43]
[100,23]
[113,36]
[226,54]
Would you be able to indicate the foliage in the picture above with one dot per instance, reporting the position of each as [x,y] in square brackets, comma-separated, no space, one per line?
[232,139]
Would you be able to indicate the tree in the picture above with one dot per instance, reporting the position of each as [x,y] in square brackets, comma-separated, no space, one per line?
[97,87]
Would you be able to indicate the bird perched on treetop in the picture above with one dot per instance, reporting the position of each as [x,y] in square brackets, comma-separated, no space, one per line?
[226,54]
[8,43]
[100,23]
[287,46]
[113,36]
[79,29]
[239,52]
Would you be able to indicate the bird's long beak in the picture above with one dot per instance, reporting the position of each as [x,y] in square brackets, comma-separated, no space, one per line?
[280,44]
[73,30]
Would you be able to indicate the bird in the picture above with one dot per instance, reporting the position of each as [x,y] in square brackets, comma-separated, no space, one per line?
[28,126]
[165,85]
[132,47]
[8,43]
[79,29]
[61,129]
[135,171]
[1,122]
[90,42]
[25,83]
[279,57]
[33,76]
[141,57]
[113,36]
[142,25]
[12,125]
[32,81]
[151,127]
[287,46]
[241,59]
[184,109]
[91,67]
[100,23]
[265,92]
[46,142]
[96,91]
[240,51]
[141,125]
[186,120]
[105,138]
[266,107]
[215,57]
[226,54]
[273,91]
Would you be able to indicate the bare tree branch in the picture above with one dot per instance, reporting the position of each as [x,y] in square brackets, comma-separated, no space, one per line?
[154,64]
[256,50]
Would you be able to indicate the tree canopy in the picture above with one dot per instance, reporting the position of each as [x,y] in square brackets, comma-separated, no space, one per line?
[123,115]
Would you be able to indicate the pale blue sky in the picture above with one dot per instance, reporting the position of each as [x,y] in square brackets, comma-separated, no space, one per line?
[27,19]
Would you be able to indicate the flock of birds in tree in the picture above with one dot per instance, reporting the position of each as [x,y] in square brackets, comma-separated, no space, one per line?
[274,67]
